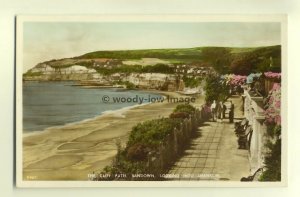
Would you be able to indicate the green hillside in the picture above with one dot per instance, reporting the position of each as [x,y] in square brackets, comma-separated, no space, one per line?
[223,59]
[189,53]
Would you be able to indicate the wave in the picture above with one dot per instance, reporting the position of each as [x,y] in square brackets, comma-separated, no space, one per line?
[120,112]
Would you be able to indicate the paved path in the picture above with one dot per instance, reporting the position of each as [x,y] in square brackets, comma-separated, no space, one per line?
[213,154]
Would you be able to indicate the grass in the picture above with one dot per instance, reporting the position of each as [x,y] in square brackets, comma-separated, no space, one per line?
[200,56]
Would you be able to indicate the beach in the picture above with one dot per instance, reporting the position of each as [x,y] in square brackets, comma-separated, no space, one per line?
[73,151]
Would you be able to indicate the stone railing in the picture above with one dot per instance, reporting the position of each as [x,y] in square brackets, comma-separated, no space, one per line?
[254,113]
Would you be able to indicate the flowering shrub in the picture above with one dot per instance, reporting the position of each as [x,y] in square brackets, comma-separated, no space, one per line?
[238,80]
[273,121]
[273,105]
[273,75]
[234,80]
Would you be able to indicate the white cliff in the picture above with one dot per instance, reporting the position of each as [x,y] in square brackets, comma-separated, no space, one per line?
[159,81]
[45,72]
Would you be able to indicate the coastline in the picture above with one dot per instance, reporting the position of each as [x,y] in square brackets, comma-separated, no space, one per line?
[116,113]
[73,151]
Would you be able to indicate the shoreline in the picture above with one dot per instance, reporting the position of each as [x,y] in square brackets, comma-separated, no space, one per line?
[107,112]
[33,132]
[74,150]
[110,112]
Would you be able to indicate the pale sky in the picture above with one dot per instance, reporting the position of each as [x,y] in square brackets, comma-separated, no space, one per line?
[54,40]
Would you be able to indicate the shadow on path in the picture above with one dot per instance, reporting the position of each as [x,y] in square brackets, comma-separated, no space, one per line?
[213,153]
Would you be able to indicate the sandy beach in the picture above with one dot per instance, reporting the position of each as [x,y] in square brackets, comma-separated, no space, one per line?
[73,151]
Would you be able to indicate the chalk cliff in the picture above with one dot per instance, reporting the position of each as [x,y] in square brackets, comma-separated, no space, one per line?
[89,76]
[44,72]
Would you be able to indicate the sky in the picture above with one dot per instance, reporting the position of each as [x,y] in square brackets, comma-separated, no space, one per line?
[44,41]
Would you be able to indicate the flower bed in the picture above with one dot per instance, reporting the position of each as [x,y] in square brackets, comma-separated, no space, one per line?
[273,105]
[270,79]
[238,80]
[272,75]
[273,122]
[234,80]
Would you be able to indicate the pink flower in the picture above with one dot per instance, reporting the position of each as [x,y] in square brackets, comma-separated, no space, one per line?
[276,86]
[237,80]
[272,75]
[271,100]
[277,104]
[269,120]
[278,120]
[272,108]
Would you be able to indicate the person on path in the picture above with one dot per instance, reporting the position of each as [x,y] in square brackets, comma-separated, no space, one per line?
[213,110]
[224,110]
[220,110]
[231,112]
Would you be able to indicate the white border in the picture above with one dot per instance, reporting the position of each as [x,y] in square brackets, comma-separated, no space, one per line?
[146,18]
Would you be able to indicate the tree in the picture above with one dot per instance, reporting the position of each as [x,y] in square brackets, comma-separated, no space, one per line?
[244,64]
[215,89]
[218,57]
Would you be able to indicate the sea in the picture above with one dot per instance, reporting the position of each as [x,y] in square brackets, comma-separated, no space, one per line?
[49,104]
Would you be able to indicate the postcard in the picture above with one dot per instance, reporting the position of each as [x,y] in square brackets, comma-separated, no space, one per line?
[151,101]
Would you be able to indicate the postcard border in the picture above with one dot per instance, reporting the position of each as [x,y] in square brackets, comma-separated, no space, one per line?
[282,18]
